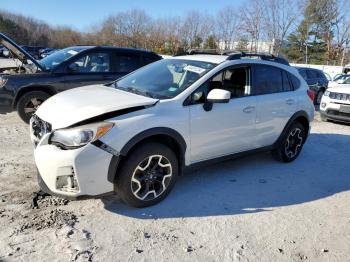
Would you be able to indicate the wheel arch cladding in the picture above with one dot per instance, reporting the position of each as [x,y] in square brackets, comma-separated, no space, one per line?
[163,135]
[47,89]
[302,118]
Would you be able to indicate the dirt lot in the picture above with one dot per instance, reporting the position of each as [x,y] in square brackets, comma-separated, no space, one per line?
[251,209]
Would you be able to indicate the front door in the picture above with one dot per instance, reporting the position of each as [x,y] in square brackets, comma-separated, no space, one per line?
[222,129]
[89,69]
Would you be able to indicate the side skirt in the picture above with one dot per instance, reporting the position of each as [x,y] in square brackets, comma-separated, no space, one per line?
[201,164]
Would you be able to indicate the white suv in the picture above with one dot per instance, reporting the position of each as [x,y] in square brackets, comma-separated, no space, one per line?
[136,136]
[335,104]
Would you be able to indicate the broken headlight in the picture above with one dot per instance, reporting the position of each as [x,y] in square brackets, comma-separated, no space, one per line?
[79,136]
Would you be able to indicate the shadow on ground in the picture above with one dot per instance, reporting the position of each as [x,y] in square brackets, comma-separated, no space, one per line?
[255,183]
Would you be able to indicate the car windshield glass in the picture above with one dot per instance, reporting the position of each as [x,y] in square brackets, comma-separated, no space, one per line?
[346,80]
[165,78]
[51,61]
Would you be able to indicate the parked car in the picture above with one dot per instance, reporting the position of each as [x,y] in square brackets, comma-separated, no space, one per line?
[25,88]
[33,50]
[316,80]
[335,104]
[165,118]
[340,79]
[46,52]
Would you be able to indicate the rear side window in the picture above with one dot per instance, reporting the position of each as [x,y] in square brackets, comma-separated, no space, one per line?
[286,82]
[267,80]
[311,74]
[320,74]
[295,81]
[303,74]
[127,63]
[147,60]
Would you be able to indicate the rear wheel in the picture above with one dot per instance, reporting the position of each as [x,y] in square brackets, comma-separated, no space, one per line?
[147,175]
[318,97]
[291,144]
[29,103]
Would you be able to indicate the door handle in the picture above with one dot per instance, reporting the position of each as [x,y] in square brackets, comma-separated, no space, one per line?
[290,101]
[249,109]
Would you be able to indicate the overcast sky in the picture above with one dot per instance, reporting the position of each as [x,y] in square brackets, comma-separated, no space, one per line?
[82,14]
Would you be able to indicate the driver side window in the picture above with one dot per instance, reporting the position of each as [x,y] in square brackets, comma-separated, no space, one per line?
[235,80]
[91,63]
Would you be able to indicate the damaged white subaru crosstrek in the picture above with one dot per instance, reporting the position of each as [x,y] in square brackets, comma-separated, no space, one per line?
[136,136]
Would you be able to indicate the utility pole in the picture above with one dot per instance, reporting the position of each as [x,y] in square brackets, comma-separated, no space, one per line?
[306,43]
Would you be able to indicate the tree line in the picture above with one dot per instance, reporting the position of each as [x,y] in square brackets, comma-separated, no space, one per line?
[305,31]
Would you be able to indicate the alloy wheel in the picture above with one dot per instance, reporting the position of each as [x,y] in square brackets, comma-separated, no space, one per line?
[32,105]
[294,142]
[151,177]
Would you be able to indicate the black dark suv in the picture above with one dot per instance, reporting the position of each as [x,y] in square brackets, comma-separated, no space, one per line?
[26,86]
[316,80]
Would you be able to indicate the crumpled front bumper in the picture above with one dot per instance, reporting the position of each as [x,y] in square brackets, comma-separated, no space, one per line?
[89,164]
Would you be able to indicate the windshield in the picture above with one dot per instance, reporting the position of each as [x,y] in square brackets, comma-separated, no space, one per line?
[60,56]
[165,78]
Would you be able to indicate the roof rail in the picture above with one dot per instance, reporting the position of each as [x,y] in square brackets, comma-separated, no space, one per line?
[200,51]
[262,56]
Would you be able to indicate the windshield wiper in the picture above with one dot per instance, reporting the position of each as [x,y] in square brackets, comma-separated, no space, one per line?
[135,91]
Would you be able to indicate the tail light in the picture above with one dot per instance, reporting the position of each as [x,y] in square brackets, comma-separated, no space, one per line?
[311,94]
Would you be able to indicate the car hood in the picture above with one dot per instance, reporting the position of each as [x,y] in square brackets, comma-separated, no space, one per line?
[17,51]
[340,88]
[83,103]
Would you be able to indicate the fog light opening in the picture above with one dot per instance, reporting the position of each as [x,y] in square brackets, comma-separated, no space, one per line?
[67,183]
[323,105]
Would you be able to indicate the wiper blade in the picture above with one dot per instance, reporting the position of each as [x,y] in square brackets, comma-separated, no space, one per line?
[134,90]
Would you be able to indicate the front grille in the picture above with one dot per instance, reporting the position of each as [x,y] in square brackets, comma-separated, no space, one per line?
[337,113]
[39,128]
[339,96]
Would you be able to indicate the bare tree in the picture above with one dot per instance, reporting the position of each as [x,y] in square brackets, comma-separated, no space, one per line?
[278,20]
[227,26]
[251,18]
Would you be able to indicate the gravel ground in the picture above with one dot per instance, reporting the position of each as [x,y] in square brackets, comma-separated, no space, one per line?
[249,209]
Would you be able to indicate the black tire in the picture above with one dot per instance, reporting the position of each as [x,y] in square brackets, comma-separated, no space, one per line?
[25,103]
[130,192]
[318,96]
[323,118]
[287,151]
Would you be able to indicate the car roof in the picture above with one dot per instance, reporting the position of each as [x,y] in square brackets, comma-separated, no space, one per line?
[116,48]
[215,59]
[307,68]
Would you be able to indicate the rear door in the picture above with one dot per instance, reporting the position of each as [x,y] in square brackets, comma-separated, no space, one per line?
[276,102]
[93,67]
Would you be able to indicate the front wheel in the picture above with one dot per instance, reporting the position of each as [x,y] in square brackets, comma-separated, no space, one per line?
[291,144]
[29,103]
[147,175]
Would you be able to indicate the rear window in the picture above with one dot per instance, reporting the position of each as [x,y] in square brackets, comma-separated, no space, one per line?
[312,74]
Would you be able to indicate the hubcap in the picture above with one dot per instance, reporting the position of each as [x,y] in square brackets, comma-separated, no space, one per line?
[294,142]
[32,106]
[151,177]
